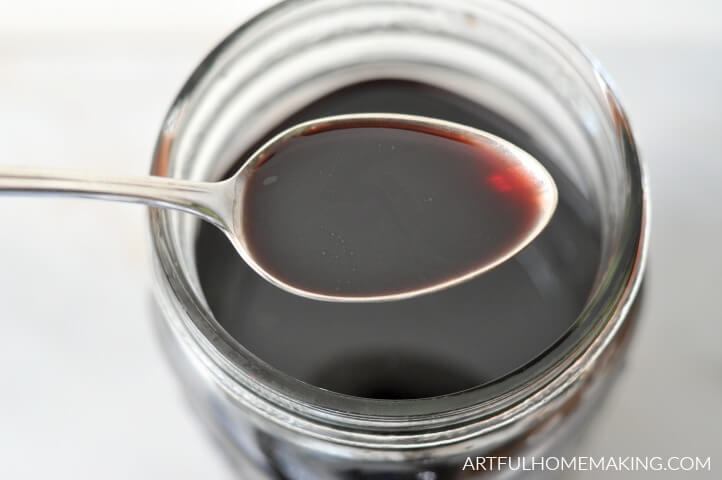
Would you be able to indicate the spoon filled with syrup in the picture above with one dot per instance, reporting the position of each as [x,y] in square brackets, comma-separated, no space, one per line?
[354,208]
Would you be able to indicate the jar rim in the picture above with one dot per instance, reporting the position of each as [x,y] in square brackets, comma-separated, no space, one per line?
[307,408]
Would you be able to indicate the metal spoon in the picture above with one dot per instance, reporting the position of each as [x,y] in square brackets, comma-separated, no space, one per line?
[221,203]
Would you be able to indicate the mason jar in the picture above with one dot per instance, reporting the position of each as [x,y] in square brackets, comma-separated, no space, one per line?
[486,63]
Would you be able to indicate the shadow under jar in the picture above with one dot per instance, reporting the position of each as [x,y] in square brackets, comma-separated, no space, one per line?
[294,388]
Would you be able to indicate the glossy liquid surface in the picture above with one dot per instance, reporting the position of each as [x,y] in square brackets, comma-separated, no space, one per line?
[437,344]
[381,209]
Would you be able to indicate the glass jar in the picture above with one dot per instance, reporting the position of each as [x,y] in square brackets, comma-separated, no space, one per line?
[493,54]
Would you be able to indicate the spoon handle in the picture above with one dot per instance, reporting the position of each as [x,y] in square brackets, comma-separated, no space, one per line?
[211,201]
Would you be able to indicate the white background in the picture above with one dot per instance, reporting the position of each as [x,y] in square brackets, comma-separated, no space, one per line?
[84,391]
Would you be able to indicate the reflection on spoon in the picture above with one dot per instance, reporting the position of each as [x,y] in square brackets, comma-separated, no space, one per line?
[355,208]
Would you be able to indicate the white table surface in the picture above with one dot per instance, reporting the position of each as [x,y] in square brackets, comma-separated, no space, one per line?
[84,390]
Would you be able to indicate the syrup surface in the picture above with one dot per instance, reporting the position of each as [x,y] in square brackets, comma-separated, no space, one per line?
[376,210]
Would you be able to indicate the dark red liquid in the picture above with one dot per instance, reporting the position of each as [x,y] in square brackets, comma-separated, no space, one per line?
[451,340]
[378,209]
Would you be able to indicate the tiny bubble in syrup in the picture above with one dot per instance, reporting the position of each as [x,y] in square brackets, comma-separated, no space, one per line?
[270,180]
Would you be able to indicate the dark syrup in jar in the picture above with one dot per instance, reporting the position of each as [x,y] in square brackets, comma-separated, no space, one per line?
[383,208]
[432,345]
